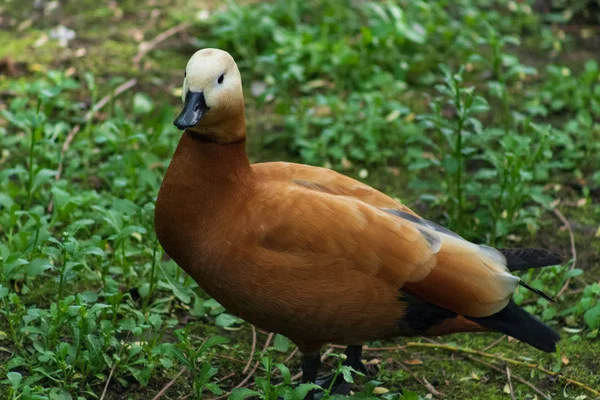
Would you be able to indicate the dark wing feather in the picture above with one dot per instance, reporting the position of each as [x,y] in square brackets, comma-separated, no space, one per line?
[519,259]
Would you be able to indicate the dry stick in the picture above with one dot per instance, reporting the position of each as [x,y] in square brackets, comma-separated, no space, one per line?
[292,354]
[251,351]
[505,359]
[538,391]
[69,139]
[63,150]
[230,358]
[112,370]
[510,387]
[423,381]
[168,385]
[231,375]
[146,47]
[367,348]
[252,371]
[495,342]
[120,89]
[567,225]
[108,380]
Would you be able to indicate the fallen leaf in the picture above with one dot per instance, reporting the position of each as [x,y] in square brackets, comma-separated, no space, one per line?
[506,389]
[380,390]
[322,111]
[416,361]
[392,116]
[565,360]
[80,52]
[346,164]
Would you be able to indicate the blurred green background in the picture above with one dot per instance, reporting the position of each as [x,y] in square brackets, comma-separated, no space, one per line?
[481,115]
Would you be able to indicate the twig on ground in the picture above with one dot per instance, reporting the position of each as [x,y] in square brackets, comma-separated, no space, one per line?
[71,135]
[422,381]
[507,360]
[428,339]
[252,371]
[367,348]
[110,374]
[112,370]
[146,47]
[292,354]
[523,381]
[251,351]
[168,385]
[495,342]
[567,225]
[237,360]
[510,387]
[119,90]
[61,159]
[231,375]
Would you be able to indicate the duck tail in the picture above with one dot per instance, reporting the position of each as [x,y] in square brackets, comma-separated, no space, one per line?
[518,323]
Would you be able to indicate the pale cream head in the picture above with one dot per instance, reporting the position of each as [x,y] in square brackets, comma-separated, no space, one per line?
[212,90]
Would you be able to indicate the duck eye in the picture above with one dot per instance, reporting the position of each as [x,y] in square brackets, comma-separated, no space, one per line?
[220,80]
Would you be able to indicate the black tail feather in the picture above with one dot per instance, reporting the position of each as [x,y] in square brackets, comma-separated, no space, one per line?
[519,259]
[518,323]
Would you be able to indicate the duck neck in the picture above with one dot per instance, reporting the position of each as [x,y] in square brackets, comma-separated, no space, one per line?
[198,160]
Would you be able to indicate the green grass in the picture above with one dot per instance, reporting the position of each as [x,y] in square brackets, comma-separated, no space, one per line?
[480,115]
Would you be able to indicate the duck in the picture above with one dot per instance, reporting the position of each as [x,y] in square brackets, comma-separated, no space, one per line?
[317,256]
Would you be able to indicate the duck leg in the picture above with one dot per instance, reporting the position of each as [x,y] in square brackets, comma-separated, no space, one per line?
[310,368]
[340,386]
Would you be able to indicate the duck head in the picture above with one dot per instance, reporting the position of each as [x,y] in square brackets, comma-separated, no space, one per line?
[212,96]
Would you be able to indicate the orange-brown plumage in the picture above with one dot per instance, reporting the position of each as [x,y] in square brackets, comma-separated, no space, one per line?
[309,253]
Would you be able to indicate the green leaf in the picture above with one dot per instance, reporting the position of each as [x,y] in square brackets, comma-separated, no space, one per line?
[175,352]
[450,164]
[166,362]
[37,266]
[214,341]
[281,343]
[3,291]
[302,390]
[89,297]
[14,378]
[285,373]
[242,393]
[408,395]
[592,317]
[43,176]
[573,273]
[347,374]
[226,320]
[142,103]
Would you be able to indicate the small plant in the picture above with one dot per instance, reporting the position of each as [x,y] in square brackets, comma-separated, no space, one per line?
[194,359]
[269,391]
[452,136]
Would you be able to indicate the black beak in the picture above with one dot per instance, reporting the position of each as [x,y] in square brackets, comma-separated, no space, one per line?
[194,109]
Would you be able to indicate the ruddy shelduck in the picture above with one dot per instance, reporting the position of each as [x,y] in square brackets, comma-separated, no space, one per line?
[315,255]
